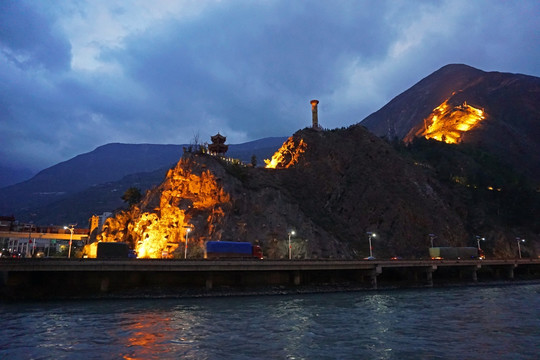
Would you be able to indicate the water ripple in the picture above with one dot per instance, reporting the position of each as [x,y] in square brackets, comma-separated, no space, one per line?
[454,323]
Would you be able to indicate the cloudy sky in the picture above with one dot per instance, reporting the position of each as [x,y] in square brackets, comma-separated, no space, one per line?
[78,74]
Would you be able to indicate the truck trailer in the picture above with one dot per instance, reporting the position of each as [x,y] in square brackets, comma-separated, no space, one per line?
[112,250]
[454,253]
[232,250]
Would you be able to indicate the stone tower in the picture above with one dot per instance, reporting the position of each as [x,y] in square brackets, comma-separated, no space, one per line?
[315,118]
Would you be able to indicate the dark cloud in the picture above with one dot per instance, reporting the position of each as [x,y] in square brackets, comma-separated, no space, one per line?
[29,39]
[82,74]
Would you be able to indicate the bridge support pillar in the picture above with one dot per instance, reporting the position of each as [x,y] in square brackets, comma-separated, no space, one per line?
[469,271]
[297,278]
[474,275]
[104,286]
[429,275]
[373,276]
[510,272]
[373,280]
[4,278]
[209,281]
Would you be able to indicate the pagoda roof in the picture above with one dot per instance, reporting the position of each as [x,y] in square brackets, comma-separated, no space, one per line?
[218,139]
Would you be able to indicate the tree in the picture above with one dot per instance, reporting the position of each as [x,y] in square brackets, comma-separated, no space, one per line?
[253,160]
[132,196]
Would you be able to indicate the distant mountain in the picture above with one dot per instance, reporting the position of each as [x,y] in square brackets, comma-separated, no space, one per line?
[13,175]
[108,165]
[507,106]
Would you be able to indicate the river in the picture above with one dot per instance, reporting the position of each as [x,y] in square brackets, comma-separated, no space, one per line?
[476,322]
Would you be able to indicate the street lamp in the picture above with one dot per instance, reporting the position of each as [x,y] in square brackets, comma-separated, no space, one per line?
[290,250]
[188,230]
[478,239]
[431,237]
[71,229]
[519,241]
[370,235]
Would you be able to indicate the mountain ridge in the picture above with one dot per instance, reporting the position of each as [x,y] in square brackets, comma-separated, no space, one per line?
[510,102]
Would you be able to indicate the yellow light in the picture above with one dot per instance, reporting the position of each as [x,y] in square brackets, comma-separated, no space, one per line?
[448,123]
[155,233]
[287,155]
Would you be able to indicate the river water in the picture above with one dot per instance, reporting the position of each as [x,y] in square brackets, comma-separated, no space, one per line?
[488,322]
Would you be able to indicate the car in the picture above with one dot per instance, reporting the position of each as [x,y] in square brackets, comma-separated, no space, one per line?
[6,254]
[369,258]
[396,258]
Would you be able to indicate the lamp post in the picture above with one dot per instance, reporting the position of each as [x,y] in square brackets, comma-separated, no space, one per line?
[188,230]
[431,237]
[370,235]
[519,241]
[71,229]
[478,239]
[290,250]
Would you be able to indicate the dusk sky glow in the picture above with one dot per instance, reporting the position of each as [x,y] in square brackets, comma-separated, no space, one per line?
[75,75]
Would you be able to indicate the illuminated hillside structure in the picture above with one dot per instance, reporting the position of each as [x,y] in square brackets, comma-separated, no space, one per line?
[161,232]
[448,123]
[287,155]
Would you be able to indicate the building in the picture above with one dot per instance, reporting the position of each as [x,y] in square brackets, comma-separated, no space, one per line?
[218,147]
[7,223]
[97,221]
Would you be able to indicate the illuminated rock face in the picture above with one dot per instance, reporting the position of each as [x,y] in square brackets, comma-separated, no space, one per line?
[331,187]
[158,231]
[448,123]
[220,201]
[287,155]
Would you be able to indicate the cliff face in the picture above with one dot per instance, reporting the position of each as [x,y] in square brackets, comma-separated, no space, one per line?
[350,183]
[207,196]
[329,187]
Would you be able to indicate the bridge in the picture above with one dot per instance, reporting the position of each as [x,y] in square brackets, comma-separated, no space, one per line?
[49,278]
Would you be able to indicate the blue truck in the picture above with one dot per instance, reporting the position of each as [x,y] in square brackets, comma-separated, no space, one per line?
[232,250]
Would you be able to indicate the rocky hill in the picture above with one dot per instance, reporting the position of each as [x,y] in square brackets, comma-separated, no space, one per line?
[330,187]
[497,112]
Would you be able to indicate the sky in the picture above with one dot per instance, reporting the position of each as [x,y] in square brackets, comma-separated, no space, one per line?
[75,75]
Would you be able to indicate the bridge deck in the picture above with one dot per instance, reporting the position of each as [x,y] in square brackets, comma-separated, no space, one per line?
[240,265]
[75,278]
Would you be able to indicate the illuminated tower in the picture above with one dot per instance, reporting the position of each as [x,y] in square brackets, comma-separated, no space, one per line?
[314,113]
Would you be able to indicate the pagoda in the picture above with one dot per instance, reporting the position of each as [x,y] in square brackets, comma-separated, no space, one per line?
[218,146]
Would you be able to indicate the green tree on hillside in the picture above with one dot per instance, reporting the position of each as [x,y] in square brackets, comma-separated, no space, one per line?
[132,196]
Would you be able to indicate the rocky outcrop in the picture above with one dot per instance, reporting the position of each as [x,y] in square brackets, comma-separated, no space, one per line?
[342,184]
